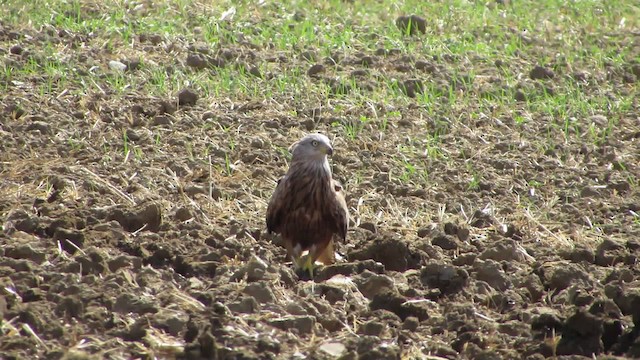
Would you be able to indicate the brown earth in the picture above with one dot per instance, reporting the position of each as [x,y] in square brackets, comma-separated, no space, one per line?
[512,241]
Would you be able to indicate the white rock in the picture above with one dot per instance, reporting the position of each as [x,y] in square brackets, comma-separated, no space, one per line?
[117,66]
[333,348]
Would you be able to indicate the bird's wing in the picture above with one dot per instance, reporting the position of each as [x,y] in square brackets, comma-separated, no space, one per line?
[275,208]
[340,210]
[340,217]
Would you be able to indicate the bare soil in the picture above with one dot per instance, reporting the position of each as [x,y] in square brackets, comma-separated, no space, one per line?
[134,225]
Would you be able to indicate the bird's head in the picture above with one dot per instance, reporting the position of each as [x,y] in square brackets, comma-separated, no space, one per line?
[312,146]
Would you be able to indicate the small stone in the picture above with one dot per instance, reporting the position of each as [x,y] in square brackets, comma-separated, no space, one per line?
[369,226]
[423,232]
[507,250]
[394,253]
[446,242]
[464,259]
[591,192]
[635,70]
[400,306]
[25,251]
[374,348]
[309,56]
[372,328]
[448,279]
[411,24]
[540,72]
[150,217]
[133,64]
[183,214]
[267,343]
[197,61]
[215,193]
[161,120]
[167,107]
[254,70]
[463,233]
[425,66]
[491,272]
[260,291]
[331,292]
[17,265]
[217,62]
[257,143]
[315,70]
[208,115]
[132,135]
[120,262]
[255,269]
[366,61]
[412,87]
[559,276]
[332,60]
[520,96]
[92,263]
[246,305]
[193,190]
[450,228]
[187,97]
[41,126]
[303,324]
[381,52]
[170,321]
[117,66]
[16,50]
[610,252]
[411,323]
[371,284]
[134,303]
[333,348]
[293,308]
[580,75]
[359,73]
[70,240]
[580,253]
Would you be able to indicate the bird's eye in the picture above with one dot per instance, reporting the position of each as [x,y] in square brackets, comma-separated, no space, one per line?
[314,143]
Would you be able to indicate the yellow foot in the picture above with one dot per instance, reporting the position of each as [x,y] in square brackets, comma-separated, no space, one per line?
[306,265]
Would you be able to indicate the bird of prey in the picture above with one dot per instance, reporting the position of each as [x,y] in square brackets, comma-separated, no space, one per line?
[308,206]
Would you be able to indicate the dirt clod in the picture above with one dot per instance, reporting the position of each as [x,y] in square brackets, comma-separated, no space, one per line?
[197,61]
[448,279]
[411,24]
[541,72]
[394,254]
[315,70]
[302,324]
[16,50]
[187,97]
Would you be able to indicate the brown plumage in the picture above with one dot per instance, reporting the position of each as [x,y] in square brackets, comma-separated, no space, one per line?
[308,207]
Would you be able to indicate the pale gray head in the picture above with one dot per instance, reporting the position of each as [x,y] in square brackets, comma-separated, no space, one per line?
[312,147]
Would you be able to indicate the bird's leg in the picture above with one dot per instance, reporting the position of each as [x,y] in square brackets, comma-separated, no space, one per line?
[296,256]
[308,265]
[299,260]
[305,263]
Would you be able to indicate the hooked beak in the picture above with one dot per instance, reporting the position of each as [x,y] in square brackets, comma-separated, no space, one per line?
[328,150]
[292,147]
